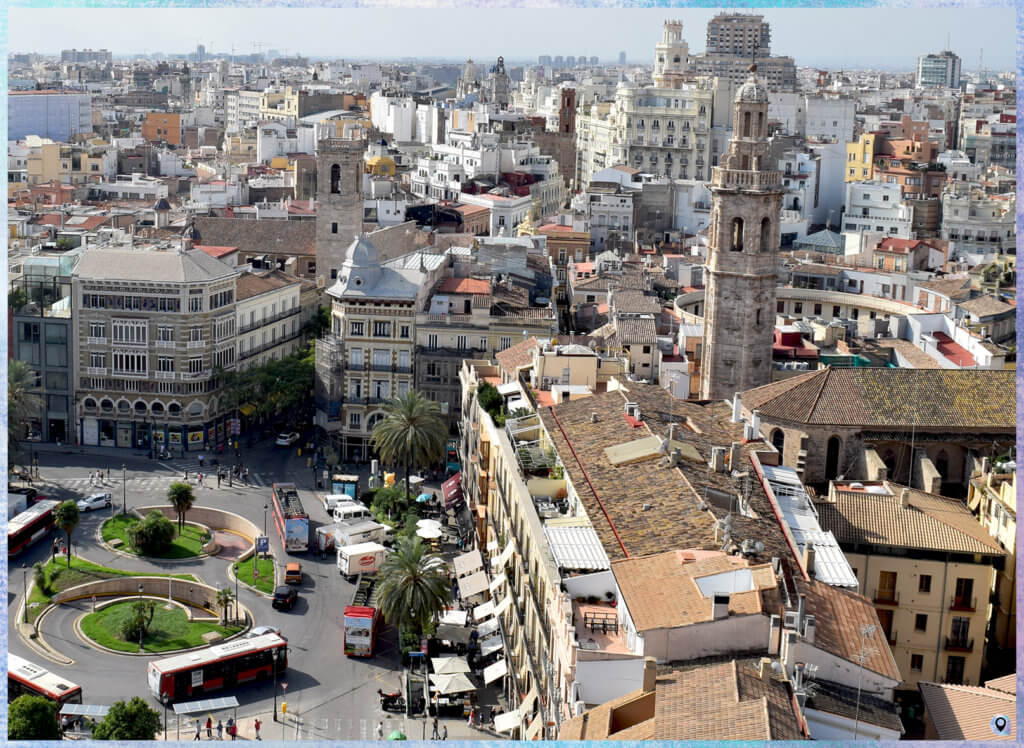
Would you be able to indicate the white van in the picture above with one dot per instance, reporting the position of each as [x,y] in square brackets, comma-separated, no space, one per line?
[347,509]
[333,499]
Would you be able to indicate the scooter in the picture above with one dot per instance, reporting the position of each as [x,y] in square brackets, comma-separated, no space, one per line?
[391,702]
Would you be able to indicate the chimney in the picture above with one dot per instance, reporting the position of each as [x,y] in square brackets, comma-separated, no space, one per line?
[764,668]
[799,611]
[905,498]
[650,674]
[594,417]
[734,456]
[809,630]
[719,606]
[809,560]
[737,404]
[755,423]
[774,634]
[718,459]
[984,466]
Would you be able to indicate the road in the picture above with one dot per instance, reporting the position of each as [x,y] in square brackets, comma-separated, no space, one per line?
[334,696]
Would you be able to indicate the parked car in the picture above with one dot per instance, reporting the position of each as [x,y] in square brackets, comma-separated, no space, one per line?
[293,573]
[96,501]
[287,439]
[285,597]
[263,630]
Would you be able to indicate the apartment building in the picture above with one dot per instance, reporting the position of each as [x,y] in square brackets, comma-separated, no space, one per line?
[43,161]
[825,118]
[58,115]
[565,243]
[733,40]
[607,208]
[978,224]
[940,70]
[151,327]
[269,317]
[928,566]
[162,127]
[878,207]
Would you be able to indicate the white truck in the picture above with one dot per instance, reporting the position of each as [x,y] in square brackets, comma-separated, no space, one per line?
[361,530]
[363,558]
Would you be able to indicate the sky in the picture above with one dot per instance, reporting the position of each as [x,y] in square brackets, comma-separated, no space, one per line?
[885,37]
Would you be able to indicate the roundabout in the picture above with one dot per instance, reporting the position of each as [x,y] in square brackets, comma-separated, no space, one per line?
[192,542]
[174,627]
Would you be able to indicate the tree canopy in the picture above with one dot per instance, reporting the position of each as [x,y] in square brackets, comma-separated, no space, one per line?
[32,718]
[66,517]
[23,402]
[276,387]
[412,432]
[413,587]
[129,720]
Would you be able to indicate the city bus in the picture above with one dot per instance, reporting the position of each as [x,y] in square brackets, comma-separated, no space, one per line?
[24,677]
[290,518]
[29,526]
[193,674]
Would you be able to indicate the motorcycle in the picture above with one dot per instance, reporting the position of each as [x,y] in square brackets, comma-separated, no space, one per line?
[391,702]
[163,455]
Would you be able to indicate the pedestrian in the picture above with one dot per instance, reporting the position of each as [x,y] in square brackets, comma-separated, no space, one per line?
[218,479]
[92,480]
[199,478]
[108,475]
[199,728]
[200,460]
[379,731]
[231,727]
[470,720]
[220,730]
[209,727]
[257,725]
[245,475]
[56,545]
[186,475]
[434,734]
[444,732]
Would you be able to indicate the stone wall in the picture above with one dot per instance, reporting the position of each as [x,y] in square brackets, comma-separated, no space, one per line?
[215,519]
[183,590]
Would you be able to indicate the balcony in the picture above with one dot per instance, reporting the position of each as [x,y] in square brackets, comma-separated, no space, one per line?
[886,597]
[96,341]
[190,375]
[164,374]
[351,366]
[381,367]
[891,637]
[194,344]
[963,603]
[96,370]
[597,627]
[164,343]
[959,644]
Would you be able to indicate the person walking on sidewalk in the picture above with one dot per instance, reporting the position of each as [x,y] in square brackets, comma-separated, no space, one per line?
[231,727]
[257,725]
[199,729]
[444,732]
[379,731]
[434,734]
[220,730]
[209,727]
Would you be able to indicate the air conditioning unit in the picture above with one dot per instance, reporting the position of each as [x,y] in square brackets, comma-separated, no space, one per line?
[790,621]
[633,410]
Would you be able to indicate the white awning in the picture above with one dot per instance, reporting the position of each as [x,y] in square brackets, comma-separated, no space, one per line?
[506,554]
[488,627]
[474,584]
[490,645]
[467,563]
[452,683]
[534,729]
[527,704]
[495,671]
[449,665]
[576,546]
[480,612]
[492,545]
[509,388]
[454,617]
[497,582]
[507,721]
[504,605]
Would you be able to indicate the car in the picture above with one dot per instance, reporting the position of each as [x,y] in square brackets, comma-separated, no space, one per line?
[284,597]
[293,573]
[286,439]
[263,631]
[31,495]
[96,501]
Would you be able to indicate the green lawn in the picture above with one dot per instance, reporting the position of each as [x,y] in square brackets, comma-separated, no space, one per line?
[187,545]
[169,630]
[265,582]
[59,578]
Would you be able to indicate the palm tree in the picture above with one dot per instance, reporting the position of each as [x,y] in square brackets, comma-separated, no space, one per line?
[181,498]
[66,517]
[23,402]
[224,598]
[412,431]
[412,585]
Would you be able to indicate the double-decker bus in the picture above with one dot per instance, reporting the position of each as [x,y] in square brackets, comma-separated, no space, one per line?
[24,677]
[29,526]
[290,518]
[190,675]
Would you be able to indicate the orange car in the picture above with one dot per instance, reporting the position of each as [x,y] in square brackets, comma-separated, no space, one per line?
[293,573]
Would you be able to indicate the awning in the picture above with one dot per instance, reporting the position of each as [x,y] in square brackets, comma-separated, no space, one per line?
[492,545]
[454,617]
[206,705]
[84,710]
[506,554]
[451,489]
[497,582]
[449,665]
[527,704]
[509,388]
[247,410]
[534,729]
[474,584]
[467,563]
[490,645]
[487,627]
[503,606]
[480,612]
[451,633]
[507,721]
[454,683]
[495,671]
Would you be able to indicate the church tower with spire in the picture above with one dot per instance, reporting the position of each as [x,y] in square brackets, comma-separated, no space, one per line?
[743,253]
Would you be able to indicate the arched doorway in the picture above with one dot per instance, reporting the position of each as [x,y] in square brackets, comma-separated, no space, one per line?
[832,458]
[779,441]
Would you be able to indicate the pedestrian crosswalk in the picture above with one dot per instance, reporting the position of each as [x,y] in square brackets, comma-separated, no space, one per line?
[160,482]
[309,728]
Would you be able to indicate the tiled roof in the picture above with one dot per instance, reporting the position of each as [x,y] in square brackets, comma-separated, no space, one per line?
[838,615]
[917,358]
[930,522]
[953,288]
[636,330]
[1006,684]
[466,286]
[214,251]
[518,355]
[965,712]
[841,700]
[151,265]
[637,302]
[940,398]
[900,246]
[985,306]
[254,284]
[267,235]
[84,223]
[660,590]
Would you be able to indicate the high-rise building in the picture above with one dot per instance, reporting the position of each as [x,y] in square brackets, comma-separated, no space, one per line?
[570,61]
[544,60]
[594,60]
[743,248]
[101,56]
[739,34]
[559,61]
[938,71]
[622,58]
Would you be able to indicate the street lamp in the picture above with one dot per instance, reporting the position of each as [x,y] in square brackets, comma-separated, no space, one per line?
[140,617]
[163,698]
[236,592]
[124,487]
[24,581]
[276,656]
[265,507]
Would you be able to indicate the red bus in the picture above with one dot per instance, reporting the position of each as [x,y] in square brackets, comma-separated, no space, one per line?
[290,518]
[24,677]
[193,674]
[29,526]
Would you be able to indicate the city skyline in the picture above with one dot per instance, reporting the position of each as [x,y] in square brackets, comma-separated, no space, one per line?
[602,33]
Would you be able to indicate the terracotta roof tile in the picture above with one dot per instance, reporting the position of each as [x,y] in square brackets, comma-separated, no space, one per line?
[476,286]
[518,355]
[965,712]
[267,236]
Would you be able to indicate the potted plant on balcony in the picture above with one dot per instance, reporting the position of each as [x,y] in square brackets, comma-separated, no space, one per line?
[612,600]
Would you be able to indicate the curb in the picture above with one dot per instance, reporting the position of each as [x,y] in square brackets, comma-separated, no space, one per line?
[40,645]
[231,578]
[107,547]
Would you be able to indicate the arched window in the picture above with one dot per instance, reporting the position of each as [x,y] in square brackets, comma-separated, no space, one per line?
[832,458]
[766,234]
[746,124]
[779,440]
[335,179]
[757,318]
[737,235]
[676,59]
[760,125]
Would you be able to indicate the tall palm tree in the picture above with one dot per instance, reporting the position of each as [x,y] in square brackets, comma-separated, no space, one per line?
[23,402]
[181,498]
[224,598]
[66,517]
[412,585]
[411,432]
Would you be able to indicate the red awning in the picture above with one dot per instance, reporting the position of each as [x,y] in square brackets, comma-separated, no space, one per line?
[451,489]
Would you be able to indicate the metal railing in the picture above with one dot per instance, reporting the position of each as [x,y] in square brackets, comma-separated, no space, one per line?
[959,644]
[269,320]
[963,603]
[886,597]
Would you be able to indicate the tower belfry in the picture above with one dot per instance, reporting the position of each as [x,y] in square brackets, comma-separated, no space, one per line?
[743,249]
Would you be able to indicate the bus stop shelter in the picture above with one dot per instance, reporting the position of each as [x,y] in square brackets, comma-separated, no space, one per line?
[81,712]
[205,706]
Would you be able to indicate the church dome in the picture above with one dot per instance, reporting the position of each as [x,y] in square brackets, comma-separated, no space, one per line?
[752,91]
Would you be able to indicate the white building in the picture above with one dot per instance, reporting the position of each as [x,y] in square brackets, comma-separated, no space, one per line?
[507,212]
[828,118]
[269,317]
[874,206]
[605,208]
[132,187]
[978,224]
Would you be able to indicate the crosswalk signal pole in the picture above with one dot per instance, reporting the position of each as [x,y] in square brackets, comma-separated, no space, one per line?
[124,488]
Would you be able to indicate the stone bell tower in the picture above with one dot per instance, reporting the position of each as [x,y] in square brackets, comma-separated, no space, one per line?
[743,251]
[339,203]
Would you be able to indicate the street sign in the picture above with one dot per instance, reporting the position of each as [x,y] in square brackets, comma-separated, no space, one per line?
[284,685]
[255,572]
[262,544]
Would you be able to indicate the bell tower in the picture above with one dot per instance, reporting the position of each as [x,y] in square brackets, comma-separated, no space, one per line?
[743,250]
[339,203]
[671,56]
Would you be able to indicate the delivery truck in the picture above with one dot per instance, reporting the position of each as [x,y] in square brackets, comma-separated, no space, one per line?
[362,620]
[361,530]
[364,558]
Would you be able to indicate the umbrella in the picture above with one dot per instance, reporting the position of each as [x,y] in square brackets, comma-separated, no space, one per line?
[432,523]
[423,498]
[397,735]
[429,533]
[449,665]
[453,683]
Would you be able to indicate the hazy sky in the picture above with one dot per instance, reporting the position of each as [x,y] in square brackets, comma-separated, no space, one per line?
[873,37]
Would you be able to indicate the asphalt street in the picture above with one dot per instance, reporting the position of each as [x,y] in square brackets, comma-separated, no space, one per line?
[332,696]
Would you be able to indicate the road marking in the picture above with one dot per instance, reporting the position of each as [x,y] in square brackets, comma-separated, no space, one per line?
[362,729]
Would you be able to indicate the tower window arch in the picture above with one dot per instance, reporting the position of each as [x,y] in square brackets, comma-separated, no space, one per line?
[676,59]
[736,235]
[335,179]
[746,124]
[760,125]
[779,440]
[766,232]
[745,162]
